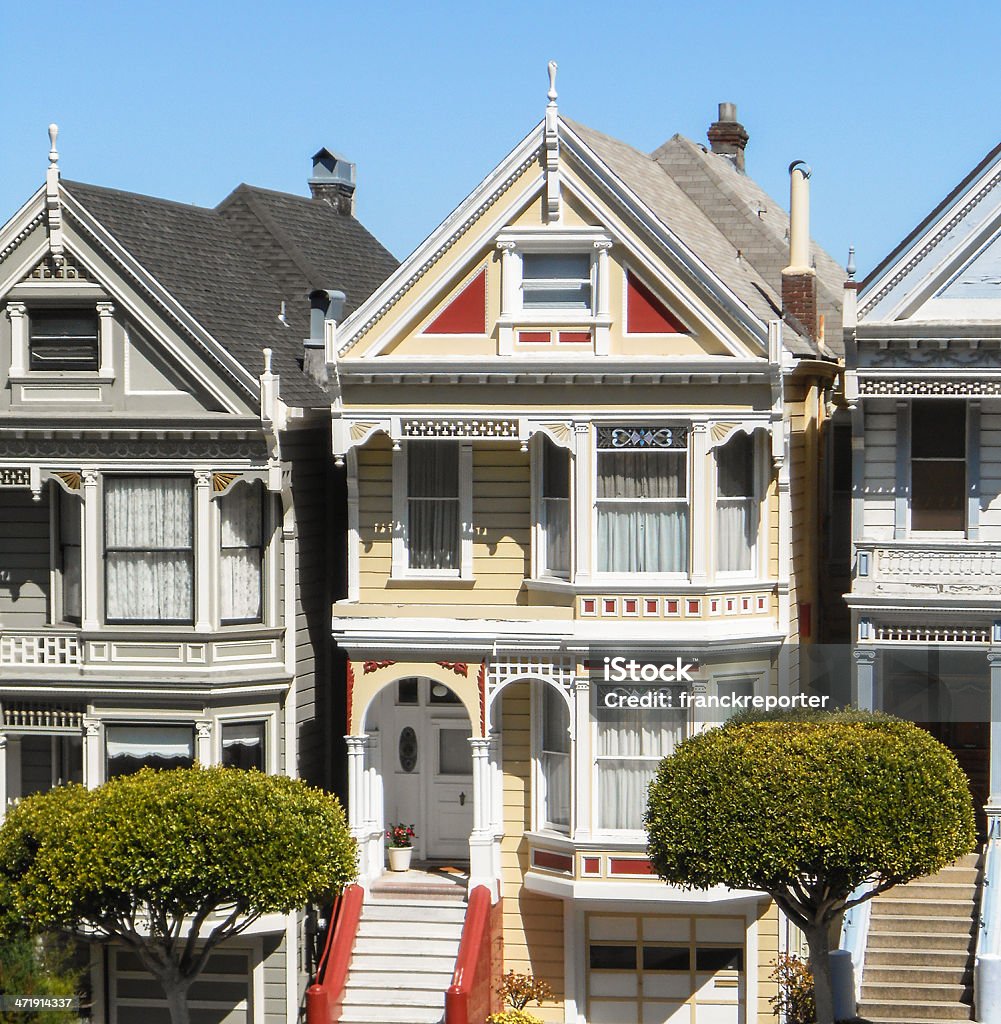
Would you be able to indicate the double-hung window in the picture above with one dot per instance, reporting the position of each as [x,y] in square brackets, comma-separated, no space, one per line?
[131,747]
[63,339]
[642,499]
[243,745]
[556,281]
[149,549]
[554,513]
[555,760]
[736,504]
[70,511]
[241,553]
[938,465]
[433,506]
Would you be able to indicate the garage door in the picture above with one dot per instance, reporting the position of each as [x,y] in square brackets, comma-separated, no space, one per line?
[662,969]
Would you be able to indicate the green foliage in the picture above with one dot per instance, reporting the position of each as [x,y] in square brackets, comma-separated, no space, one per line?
[775,803]
[518,990]
[795,995]
[158,845]
[513,1017]
[40,966]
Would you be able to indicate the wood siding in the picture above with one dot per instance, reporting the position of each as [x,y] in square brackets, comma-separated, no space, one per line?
[880,480]
[24,560]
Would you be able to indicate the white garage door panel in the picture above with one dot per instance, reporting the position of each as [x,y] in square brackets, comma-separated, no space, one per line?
[613,1013]
[706,1013]
[614,983]
[666,985]
[666,1013]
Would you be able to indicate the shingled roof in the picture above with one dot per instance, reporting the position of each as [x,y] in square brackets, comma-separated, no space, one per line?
[232,267]
[710,207]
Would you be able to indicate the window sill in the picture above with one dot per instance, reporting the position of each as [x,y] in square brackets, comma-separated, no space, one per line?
[408,579]
[635,584]
[62,376]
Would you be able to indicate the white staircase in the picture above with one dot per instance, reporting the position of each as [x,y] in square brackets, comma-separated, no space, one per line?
[403,960]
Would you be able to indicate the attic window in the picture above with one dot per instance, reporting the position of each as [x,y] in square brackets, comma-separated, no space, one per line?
[63,339]
[556,280]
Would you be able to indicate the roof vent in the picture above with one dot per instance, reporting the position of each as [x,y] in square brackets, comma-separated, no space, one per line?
[333,180]
[728,137]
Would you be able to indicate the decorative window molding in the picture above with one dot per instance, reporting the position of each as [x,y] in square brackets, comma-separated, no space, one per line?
[659,435]
[972,387]
[461,428]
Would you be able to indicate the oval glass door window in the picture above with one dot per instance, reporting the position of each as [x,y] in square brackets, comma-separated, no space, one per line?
[408,749]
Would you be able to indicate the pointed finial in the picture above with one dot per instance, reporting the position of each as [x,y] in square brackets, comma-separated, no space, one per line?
[552,83]
[53,152]
[267,360]
[851,263]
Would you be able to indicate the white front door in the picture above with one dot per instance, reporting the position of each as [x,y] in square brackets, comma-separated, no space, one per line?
[450,790]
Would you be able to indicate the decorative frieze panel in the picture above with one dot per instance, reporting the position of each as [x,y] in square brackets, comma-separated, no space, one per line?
[655,435]
[927,355]
[46,650]
[923,634]
[15,476]
[79,450]
[460,428]
[658,607]
[957,387]
[969,568]
[64,269]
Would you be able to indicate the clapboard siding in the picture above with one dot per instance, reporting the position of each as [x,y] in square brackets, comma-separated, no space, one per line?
[880,480]
[275,1010]
[990,471]
[768,951]
[24,559]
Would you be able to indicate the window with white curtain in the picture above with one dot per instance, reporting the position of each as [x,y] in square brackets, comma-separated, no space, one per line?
[241,553]
[555,511]
[433,520]
[243,745]
[554,760]
[629,745]
[149,549]
[129,748]
[70,511]
[736,504]
[642,499]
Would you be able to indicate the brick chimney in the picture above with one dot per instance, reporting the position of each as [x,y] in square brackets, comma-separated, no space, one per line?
[333,181]
[799,279]
[728,137]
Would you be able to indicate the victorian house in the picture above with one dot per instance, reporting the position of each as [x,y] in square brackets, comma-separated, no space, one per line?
[166,568]
[923,383]
[581,421]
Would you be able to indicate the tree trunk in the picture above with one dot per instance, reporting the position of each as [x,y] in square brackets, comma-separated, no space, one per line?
[818,939]
[177,1000]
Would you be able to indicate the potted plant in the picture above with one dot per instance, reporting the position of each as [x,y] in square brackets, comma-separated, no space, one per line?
[401,847]
[516,990]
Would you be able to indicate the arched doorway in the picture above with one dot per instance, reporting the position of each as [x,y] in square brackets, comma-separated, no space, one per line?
[425,761]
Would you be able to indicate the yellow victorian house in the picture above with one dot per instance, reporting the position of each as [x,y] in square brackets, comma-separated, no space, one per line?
[581,422]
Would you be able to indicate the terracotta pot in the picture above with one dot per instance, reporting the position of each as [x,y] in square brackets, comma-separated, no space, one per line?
[399,858]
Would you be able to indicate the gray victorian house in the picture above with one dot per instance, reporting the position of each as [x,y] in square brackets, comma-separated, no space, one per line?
[168,549]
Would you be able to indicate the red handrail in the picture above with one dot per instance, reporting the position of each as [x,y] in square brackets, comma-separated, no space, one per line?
[472,996]
[324,1000]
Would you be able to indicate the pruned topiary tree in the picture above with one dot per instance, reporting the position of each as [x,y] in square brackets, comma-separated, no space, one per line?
[807,811]
[171,863]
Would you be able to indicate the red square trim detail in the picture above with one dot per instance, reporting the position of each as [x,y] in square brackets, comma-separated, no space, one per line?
[575,337]
[592,866]
[590,605]
[650,606]
[630,866]
[672,606]
[534,337]
[609,606]
[694,608]
[629,606]
[554,861]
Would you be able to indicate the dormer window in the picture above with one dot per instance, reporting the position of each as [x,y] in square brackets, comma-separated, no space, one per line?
[556,281]
[63,339]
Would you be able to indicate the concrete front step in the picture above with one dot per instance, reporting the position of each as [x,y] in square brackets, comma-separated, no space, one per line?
[389,945]
[429,981]
[946,891]
[380,1015]
[917,957]
[926,907]
[880,1011]
[876,974]
[395,962]
[398,997]
[392,929]
[385,910]
[925,924]
[915,994]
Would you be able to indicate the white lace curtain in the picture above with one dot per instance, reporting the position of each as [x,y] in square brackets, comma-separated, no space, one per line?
[241,552]
[556,506]
[149,538]
[555,758]
[629,746]
[642,511]
[433,504]
[736,505]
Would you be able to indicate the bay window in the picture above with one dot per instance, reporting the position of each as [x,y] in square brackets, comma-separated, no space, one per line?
[554,760]
[149,549]
[736,504]
[630,743]
[642,499]
[554,518]
[129,748]
[241,553]
[243,745]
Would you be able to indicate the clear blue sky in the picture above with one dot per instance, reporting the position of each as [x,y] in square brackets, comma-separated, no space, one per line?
[890,102]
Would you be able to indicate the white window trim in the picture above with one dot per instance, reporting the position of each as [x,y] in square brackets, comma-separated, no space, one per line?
[270,720]
[694,500]
[942,535]
[401,562]
[540,570]
[19,313]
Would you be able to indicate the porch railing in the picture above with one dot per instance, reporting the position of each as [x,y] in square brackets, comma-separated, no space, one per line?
[970,565]
[324,1000]
[987,972]
[472,996]
[22,649]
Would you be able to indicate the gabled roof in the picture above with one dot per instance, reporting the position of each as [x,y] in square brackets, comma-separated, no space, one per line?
[232,267]
[752,221]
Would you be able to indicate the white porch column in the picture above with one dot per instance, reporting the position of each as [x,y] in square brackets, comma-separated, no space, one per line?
[204,549]
[91,556]
[107,356]
[864,690]
[510,278]
[603,306]
[483,862]
[3,775]
[18,339]
[203,743]
[93,775]
[581,760]
[361,813]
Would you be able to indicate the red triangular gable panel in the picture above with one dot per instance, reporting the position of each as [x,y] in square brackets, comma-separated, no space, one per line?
[645,313]
[466,313]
